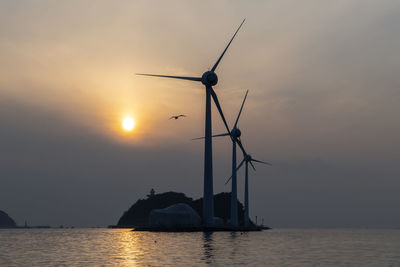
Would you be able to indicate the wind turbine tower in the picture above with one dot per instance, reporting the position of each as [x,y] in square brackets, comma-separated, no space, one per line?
[247,159]
[235,134]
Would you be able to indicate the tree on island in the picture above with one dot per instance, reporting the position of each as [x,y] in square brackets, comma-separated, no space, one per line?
[152,193]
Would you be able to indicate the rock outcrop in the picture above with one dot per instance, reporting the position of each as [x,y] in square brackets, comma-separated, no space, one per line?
[6,221]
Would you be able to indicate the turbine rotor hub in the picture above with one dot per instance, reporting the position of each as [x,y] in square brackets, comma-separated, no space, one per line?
[248,157]
[209,78]
[236,133]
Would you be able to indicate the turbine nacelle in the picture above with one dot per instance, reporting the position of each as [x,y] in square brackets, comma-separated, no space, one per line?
[236,133]
[248,158]
[209,78]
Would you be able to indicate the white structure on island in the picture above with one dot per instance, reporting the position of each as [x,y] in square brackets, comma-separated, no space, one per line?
[178,215]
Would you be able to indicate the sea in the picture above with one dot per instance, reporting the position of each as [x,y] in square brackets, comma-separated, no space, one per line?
[123,247]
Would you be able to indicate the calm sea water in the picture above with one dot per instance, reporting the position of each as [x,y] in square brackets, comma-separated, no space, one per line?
[280,247]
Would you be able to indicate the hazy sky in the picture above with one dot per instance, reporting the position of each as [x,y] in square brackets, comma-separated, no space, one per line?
[323,107]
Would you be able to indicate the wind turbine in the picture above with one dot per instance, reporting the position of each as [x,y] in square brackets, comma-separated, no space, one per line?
[247,159]
[209,79]
[235,134]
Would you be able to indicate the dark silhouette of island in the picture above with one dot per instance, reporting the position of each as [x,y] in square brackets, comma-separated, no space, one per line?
[6,221]
[138,213]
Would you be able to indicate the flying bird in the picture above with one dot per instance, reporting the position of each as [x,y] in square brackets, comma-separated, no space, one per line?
[177,116]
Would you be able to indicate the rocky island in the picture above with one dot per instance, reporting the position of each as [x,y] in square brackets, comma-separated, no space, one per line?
[176,210]
[6,221]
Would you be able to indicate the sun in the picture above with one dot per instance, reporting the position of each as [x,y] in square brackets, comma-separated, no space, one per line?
[128,124]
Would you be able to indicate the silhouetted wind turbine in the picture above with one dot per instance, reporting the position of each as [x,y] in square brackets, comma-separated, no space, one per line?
[209,79]
[247,159]
[235,134]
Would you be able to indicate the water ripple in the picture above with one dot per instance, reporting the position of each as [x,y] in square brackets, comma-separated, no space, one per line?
[282,247]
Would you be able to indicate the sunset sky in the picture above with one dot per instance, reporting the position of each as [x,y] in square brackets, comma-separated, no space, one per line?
[323,107]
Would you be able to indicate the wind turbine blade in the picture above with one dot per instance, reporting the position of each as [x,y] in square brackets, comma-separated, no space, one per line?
[197,79]
[267,163]
[239,142]
[216,64]
[214,96]
[251,163]
[217,135]
[227,181]
[237,119]
[238,167]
